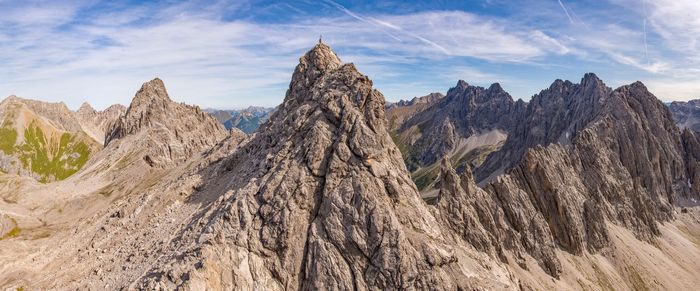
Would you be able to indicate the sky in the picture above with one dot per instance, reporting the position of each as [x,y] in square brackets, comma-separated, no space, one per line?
[233,54]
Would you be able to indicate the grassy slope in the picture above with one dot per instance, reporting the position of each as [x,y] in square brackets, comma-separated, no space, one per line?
[51,157]
[425,177]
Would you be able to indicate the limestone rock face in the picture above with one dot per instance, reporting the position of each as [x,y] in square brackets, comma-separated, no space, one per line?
[464,112]
[691,145]
[168,132]
[319,199]
[588,154]
[582,156]
[496,220]
[97,123]
[555,115]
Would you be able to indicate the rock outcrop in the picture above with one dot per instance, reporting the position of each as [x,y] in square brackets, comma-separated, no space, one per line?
[443,128]
[555,115]
[582,156]
[586,155]
[495,221]
[167,132]
[97,123]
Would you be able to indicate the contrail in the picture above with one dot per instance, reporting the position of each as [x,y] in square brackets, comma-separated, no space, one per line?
[377,22]
[566,11]
[646,47]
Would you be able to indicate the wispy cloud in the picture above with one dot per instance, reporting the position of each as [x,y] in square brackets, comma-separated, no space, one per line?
[385,24]
[226,53]
[225,62]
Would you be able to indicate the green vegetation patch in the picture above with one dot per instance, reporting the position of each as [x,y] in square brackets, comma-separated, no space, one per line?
[425,179]
[406,150]
[52,159]
[14,232]
[8,138]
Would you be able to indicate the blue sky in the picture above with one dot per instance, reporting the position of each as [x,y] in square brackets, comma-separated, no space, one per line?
[231,54]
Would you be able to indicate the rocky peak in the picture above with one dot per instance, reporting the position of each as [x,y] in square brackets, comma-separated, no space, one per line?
[464,112]
[496,87]
[97,123]
[555,115]
[10,99]
[56,113]
[315,63]
[86,108]
[462,84]
[150,105]
[151,99]
[616,153]
[590,78]
[173,131]
[321,198]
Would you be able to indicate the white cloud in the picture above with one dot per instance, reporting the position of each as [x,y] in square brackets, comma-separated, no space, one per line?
[678,22]
[213,62]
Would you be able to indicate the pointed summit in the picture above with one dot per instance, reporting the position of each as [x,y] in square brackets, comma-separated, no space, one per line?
[152,91]
[322,199]
[590,77]
[496,87]
[462,84]
[170,131]
[86,108]
[321,58]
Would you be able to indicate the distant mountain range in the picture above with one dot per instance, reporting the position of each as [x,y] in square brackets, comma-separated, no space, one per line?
[248,120]
[686,114]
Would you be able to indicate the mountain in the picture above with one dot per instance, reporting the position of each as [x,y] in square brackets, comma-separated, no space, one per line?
[583,157]
[154,153]
[467,124]
[168,132]
[555,115]
[97,123]
[397,113]
[42,140]
[320,198]
[220,115]
[686,114]
[248,120]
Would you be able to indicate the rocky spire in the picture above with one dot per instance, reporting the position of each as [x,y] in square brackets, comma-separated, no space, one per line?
[176,130]
[494,223]
[464,112]
[555,115]
[321,198]
[86,108]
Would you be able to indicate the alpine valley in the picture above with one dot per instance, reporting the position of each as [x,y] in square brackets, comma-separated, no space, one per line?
[583,187]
